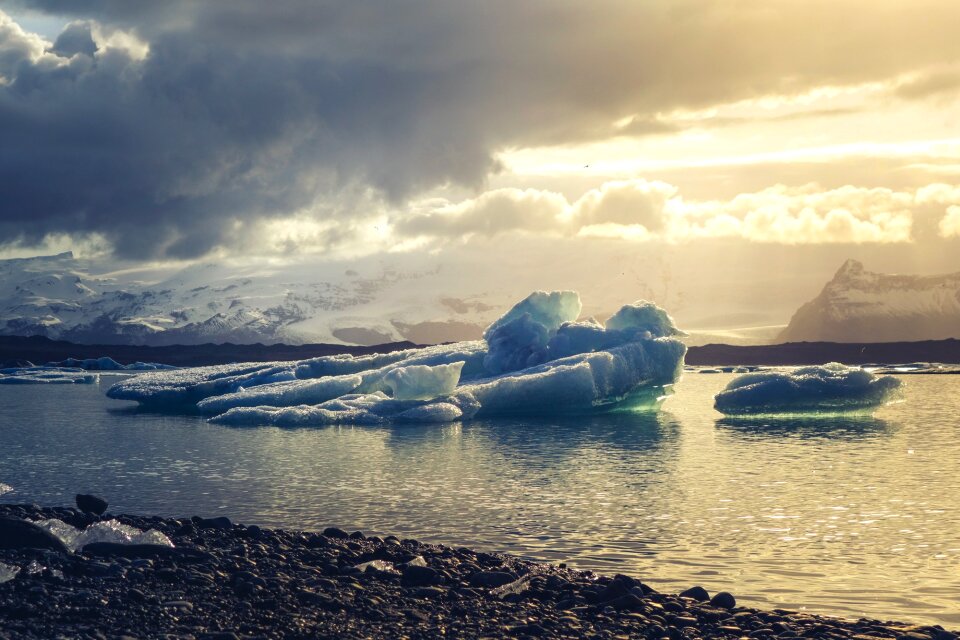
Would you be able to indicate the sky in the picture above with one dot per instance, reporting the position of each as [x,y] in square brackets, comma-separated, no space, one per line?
[721,158]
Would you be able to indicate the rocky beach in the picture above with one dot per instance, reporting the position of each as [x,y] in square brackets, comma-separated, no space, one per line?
[226,580]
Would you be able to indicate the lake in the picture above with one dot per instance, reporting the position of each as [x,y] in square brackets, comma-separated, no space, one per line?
[844,516]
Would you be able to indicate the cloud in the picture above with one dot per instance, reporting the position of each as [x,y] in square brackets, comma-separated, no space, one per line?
[189,117]
[647,210]
[950,224]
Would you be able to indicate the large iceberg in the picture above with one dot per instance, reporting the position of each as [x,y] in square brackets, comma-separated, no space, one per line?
[536,359]
[829,388]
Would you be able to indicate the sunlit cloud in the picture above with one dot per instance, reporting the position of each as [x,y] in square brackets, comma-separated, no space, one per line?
[654,210]
[950,224]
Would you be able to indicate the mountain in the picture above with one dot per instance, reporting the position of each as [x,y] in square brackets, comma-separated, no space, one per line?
[63,298]
[862,306]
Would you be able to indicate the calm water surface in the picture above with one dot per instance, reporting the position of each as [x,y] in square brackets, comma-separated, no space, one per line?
[848,517]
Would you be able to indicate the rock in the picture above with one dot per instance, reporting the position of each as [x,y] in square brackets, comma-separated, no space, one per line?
[21,534]
[91,504]
[627,602]
[491,579]
[334,532]
[221,522]
[696,593]
[723,600]
[416,576]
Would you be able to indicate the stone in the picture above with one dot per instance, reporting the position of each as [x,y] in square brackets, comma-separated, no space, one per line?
[89,503]
[723,600]
[696,593]
[21,534]
[491,579]
[416,576]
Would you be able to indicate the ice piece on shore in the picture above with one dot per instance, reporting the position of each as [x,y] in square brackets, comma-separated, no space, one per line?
[830,388]
[422,382]
[536,359]
[109,364]
[105,531]
[47,375]
[8,572]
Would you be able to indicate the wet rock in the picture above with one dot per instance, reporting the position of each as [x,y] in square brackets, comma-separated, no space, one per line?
[723,600]
[223,523]
[417,576]
[696,593]
[89,503]
[491,579]
[21,534]
[334,532]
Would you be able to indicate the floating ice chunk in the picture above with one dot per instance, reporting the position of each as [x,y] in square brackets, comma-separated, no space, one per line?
[520,337]
[517,344]
[109,364]
[8,572]
[548,309]
[373,408]
[283,394]
[643,316]
[5,488]
[106,531]
[536,359]
[421,382]
[186,387]
[47,375]
[630,374]
[828,388]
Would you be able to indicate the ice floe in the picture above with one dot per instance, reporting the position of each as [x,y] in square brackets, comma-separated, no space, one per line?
[108,364]
[830,388]
[47,375]
[536,359]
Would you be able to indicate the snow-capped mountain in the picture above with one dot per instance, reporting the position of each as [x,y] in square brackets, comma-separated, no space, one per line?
[863,306]
[61,297]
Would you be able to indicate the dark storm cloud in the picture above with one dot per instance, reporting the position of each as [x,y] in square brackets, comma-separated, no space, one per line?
[245,109]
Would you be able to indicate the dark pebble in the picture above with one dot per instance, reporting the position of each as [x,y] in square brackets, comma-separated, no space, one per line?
[91,504]
[491,579]
[417,576]
[723,600]
[696,593]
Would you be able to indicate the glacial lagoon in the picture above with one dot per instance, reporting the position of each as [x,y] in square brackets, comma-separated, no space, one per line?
[851,516]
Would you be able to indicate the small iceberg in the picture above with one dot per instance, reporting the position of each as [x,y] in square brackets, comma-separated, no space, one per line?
[108,364]
[829,388]
[47,375]
[537,359]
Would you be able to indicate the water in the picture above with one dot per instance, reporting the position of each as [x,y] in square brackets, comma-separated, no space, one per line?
[846,517]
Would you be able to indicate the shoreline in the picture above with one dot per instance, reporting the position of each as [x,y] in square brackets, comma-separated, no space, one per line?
[225,580]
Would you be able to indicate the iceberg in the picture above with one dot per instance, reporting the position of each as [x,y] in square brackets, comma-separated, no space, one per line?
[109,364]
[830,388]
[47,375]
[536,359]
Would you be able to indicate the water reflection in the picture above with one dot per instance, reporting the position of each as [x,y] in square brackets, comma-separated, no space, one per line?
[853,427]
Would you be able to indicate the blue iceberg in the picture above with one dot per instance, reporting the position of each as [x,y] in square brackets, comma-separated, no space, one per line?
[829,388]
[537,359]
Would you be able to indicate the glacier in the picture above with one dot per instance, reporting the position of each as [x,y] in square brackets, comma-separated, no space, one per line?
[830,388]
[537,358]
